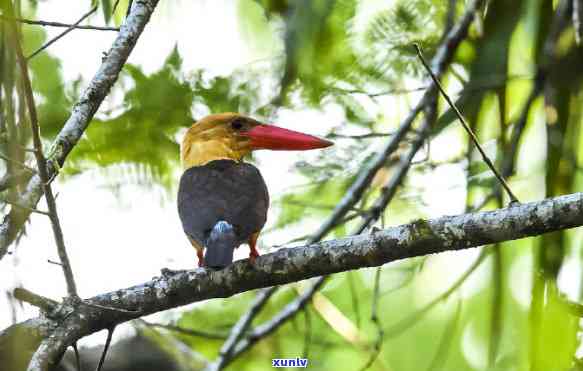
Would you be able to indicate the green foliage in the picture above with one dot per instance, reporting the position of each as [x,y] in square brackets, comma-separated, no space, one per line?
[155,108]
[47,80]
[235,93]
[106,7]
[391,34]
[299,205]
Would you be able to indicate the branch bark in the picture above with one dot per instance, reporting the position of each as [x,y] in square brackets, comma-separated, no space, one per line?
[81,115]
[421,237]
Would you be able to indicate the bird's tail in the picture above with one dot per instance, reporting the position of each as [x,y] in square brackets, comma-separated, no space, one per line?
[220,245]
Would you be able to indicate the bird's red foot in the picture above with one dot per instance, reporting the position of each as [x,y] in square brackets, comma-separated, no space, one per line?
[252,243]
[200,258]
[252,255]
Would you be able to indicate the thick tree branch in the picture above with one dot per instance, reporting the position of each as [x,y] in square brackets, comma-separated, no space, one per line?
[294,264]
[81,115]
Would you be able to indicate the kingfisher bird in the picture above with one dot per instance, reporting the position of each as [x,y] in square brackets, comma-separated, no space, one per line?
[222,200]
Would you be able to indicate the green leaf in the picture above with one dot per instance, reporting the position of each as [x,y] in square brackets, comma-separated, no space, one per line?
[106,7]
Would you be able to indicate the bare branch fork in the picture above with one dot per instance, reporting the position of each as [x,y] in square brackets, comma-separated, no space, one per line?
[287,265]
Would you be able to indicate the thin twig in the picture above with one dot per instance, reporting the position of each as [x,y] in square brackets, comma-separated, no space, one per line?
[77,357]
[110,309]
[361,136]
[450,15]
[130,3]
[21,206]
[41,165]
[389,189]
[69,29]
[58,24]
[39,301]
[574,308]
[379,93]
[354,298]
[443,350]
[105,348]
[375,319]
[279,319]
[485,157]
[362,182]
[18,163]
[308,334]
[491,83]
[497,305]
[12,179]
[577,15]
[510,157]
[186,331]
[239,330]
[402,325]
[114,7]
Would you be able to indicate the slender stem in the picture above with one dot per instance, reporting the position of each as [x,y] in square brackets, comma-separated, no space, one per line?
[107,308]
[389,189]
[375,319]
[130,3]
[105,348]
[54,39]
[42,168]
[577,15]
[21,206]
[16,162]
[77,357]
[279,319]
[58,24]
[114,7]
[239,330]
[402,325]
[513,198]
[185,331]
[36,300]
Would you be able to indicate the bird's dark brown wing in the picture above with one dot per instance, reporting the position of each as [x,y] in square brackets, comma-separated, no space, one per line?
[222,190]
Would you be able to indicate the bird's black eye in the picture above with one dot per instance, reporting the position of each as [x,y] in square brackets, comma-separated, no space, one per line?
[237,124]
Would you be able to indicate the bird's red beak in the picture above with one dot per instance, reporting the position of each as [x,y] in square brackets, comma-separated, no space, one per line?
[276,138]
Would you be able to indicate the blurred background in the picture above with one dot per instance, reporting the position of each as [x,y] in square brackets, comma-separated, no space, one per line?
[343,69]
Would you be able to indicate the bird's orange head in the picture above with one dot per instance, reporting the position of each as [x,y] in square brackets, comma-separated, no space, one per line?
[233,136]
